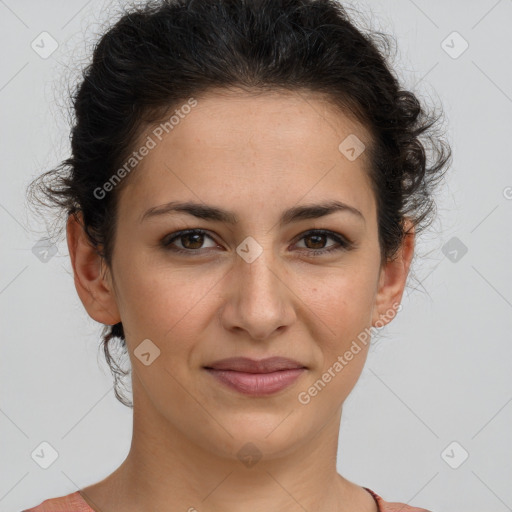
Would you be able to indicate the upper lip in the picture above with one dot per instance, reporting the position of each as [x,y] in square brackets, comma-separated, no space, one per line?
[245,364]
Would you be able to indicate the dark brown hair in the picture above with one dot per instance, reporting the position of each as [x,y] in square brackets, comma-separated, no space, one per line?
[162,53]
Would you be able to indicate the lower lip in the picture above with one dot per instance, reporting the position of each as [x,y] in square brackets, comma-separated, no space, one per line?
[257,384]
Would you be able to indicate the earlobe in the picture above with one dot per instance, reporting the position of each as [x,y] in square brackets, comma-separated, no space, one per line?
[392,280]
[91,283]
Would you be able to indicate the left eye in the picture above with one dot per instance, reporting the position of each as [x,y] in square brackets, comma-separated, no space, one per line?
[320,237]
[192,241]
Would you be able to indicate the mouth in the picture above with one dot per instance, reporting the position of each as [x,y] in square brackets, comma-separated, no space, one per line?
[256,377]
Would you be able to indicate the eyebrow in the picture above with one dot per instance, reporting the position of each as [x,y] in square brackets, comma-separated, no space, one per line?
[212,213]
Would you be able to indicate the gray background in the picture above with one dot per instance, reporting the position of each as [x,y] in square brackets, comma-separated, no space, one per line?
[439,373]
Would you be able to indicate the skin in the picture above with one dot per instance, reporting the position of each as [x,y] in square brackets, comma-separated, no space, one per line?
[256,155]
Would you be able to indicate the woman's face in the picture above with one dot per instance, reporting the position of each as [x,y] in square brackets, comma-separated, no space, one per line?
[257,287]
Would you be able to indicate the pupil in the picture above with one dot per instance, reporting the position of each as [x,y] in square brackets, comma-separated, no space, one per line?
[195,245]
[317,237]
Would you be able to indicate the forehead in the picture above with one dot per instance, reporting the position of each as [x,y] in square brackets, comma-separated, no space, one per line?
[303,120]
[243,148]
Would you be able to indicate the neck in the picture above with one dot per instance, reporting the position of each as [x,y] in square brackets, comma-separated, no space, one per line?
[166,468]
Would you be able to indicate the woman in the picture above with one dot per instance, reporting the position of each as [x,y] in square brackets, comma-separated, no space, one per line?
[246,183]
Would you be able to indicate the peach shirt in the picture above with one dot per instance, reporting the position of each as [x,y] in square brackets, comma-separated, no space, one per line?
[75,503]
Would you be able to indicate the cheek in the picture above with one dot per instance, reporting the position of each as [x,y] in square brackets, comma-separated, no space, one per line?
[344,306]
[344,310]
[343,301]
[160,302]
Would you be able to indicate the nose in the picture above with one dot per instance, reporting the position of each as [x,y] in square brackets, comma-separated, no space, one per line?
[259,298]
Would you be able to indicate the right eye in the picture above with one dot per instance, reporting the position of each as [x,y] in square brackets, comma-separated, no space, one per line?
[191,241]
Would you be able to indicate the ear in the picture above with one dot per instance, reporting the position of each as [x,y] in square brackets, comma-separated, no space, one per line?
[393,277]
[94,289]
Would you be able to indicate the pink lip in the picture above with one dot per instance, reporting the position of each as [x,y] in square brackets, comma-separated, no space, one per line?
[256,378]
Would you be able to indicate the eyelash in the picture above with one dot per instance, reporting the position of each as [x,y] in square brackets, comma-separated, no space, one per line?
[344,244]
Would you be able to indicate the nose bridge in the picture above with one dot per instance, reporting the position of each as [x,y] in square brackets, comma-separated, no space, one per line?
[261,305]
[257,273]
